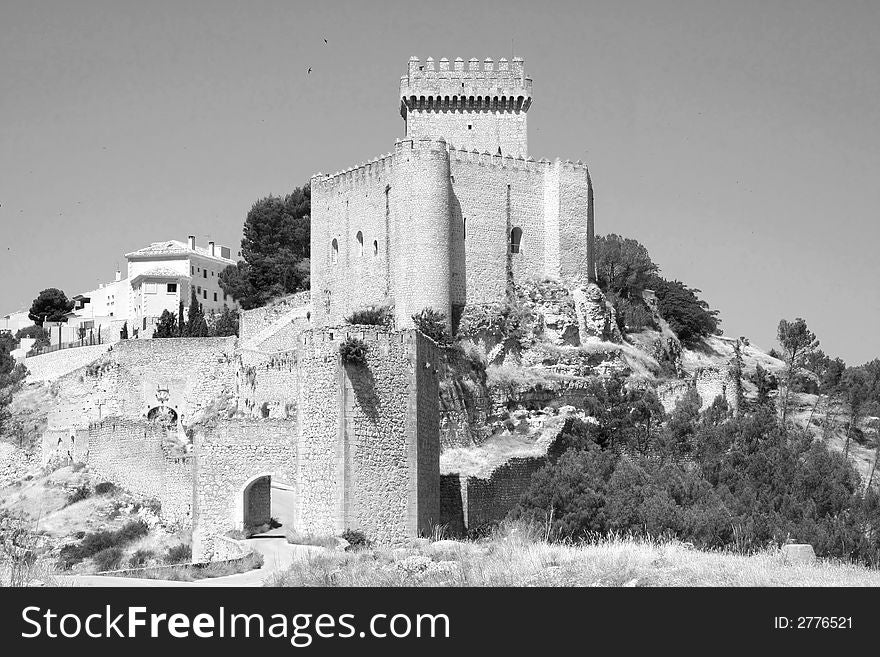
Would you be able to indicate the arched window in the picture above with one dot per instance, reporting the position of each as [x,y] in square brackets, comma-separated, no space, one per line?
[334,251]
[375,248]
[360,239]
[515,239]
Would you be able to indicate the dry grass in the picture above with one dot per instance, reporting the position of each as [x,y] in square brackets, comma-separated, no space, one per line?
[517,559]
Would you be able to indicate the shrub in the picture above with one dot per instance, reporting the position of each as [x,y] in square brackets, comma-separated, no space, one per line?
[746,483]
[108,559]
[79,494]
[504,321]
[181,553]
[105,488]
[432,323]
[140,558]
[373,316]
[353,351]
[131,531]
[357,540]
[95,542]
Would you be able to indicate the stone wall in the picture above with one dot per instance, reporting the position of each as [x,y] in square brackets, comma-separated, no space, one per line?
[65,446]
[124,382]
[267,385]
[52,366]
[269,328]
[230,457]
[709,382]
[130,453]
[473,503]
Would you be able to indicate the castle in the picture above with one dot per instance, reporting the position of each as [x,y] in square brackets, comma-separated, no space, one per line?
[458,214]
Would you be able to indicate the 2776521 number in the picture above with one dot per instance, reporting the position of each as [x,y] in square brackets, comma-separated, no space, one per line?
[813,622]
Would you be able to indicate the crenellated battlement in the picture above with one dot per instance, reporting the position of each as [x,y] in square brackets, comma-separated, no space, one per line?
[472,86]
[375,167]
[488,159]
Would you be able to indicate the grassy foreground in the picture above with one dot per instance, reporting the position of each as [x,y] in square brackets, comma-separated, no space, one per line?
[515,559]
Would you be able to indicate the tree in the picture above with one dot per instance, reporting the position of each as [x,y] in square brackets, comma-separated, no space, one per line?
[37,333]
[623,266]
[225,324]
[50,306]
[195,317]
[275,248]
[181,322]
[166,327]
[856,389]
[7,345]
[797,341]
[687,315]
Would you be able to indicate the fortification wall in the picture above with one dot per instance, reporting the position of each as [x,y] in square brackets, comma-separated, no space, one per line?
[229,456]
[83,396]
[709,382]
[267,385]
[253,323]
[348,274]
[54,365]
[130,454]
[65,446]
[124,383]
[471,503]
[575,222]
[492,195]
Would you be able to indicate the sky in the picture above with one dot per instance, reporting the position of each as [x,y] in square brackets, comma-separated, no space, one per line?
[737,140]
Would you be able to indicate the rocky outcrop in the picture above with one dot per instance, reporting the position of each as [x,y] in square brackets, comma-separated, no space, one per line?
[556,305]
[595,315]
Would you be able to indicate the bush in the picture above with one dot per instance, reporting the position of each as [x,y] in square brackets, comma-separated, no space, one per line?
[181,553]
[353,351]
[79,494]
[745,483]
[373,316]
[432,323]
[140,558]
[356,539]
[105,488]
[95,542]
[108,559]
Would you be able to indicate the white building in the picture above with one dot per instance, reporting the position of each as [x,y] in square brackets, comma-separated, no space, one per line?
[13,322]
[161,275]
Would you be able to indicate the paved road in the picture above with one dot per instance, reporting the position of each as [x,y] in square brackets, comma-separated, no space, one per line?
[277,553]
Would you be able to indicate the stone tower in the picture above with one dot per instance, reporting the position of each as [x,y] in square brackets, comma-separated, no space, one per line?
[482,108]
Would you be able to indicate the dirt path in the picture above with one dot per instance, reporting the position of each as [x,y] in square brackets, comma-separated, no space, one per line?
[277,553]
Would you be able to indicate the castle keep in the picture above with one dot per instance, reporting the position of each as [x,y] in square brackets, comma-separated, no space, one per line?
[458,212]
